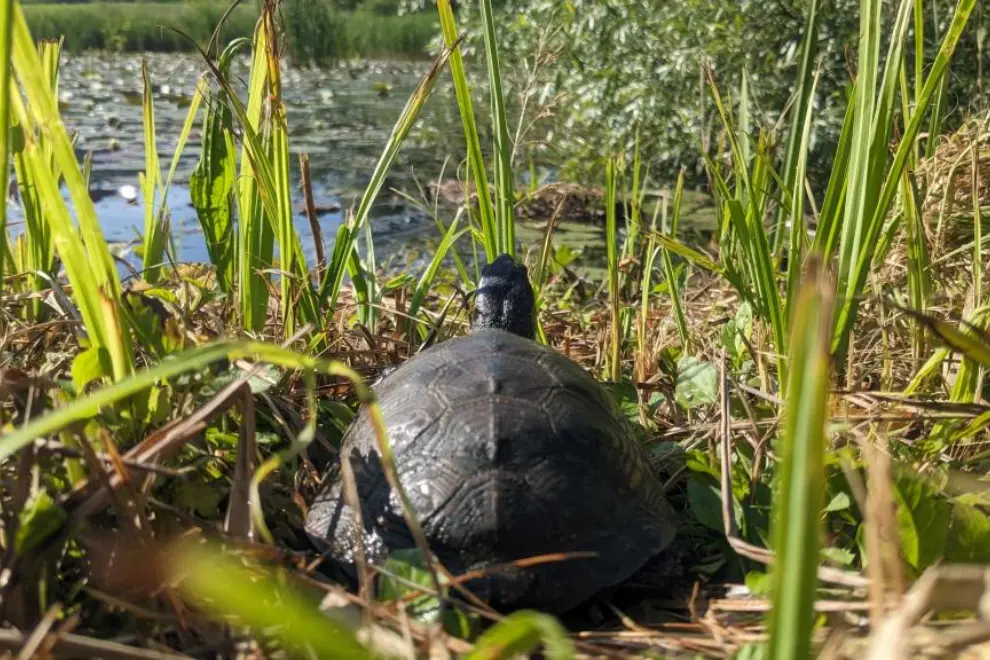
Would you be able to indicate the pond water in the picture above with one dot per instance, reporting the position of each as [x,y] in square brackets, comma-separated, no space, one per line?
[341,118]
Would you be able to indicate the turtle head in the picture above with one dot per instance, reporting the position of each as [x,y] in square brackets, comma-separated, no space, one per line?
[504,298]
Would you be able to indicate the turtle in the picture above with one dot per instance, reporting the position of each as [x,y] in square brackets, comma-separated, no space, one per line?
[507,450]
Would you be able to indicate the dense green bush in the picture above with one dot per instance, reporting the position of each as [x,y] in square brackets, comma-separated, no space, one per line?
[628,66]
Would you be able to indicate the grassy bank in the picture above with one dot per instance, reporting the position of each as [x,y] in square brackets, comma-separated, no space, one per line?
[314,31]
[815,400]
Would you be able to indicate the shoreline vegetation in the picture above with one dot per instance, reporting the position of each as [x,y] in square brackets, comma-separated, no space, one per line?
[315,33]
[809,376]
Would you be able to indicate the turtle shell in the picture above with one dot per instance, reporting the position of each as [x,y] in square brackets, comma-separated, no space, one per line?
[507,450]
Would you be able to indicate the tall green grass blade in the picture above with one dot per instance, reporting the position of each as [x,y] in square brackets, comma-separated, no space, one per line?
[202,89]
[799,231]
[371,268]
[850,304]
[6,40]
[668,267]
[39,251]
[745,117]
[646,288]
[918,266]
[450,237]
[804,89]
[476,161]
[797,511]
[94,278]
[154,231]
[266,158]
[977,228]
[611,245]
[505,189]
[88,295]
[745,211]
[857,194]
[344,257]
[919,49]
[292,260]
[255,240]
[830,216]
[35,252]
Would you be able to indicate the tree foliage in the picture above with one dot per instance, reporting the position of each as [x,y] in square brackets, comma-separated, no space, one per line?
[628,67]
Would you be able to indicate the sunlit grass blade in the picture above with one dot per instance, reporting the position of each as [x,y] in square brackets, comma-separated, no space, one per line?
[202,89]
[855,283]
[476,160]
[255,239]
[857,195]
[918,266]
[969,339]
[36,252]
[612,261]
[260,599]
[505,189]
[93,273]
[425,283]
[668,266]
[799,232]
[155,230]
[6,39]
[801,113]
[745,210]
[291,257]
[266,159]
[650,254]
[344,257]
[33,252]
[371,269]
[797,510]
[831,214]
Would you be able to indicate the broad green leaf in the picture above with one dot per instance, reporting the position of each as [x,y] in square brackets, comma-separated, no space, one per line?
[697,382]
[758,583]
[969,536]
[797,518]
[520,633]
[923,519]
[37,520]
[839,502]
[403,574]
[839,556]
[211,186]
[88,366]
